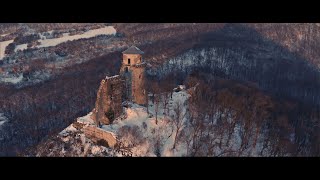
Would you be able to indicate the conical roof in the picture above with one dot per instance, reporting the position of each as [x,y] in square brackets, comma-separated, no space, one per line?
[133,50]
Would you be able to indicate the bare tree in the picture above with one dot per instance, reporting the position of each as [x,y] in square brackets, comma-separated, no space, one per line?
[129,137]
[177,120]
[165,102]
[156,106]
[147,90]
[156,98]
[158,140]
[147,102]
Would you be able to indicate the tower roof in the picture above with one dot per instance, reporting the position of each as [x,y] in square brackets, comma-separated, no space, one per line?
[133,50]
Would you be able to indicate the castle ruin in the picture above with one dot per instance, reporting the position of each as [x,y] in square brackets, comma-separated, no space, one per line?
[128,86]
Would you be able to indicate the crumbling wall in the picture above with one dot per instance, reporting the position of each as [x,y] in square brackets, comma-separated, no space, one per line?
[109,100]
[96,134]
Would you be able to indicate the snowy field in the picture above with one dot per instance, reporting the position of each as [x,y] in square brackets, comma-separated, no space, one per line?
[108,30]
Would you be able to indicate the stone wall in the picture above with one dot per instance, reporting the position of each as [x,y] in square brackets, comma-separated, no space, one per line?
[109,99]
[96,134]
[134,76]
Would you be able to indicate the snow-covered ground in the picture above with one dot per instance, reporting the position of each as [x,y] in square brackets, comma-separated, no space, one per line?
[67,130]
[3,46]
[13,80]
[44,42]
[3,119]
[158,139]
[108,30]
[86,119]
[2,35]
[136,115]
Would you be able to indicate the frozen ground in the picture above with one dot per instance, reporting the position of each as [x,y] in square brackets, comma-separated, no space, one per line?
[136,115]
[108,30]
[44,42]
[157,138]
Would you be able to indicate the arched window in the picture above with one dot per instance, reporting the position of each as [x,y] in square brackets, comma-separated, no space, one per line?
[129,61]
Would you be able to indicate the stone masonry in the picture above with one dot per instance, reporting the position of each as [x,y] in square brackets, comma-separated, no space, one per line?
[109,100]
[96,134]
[129,85]
[133,72]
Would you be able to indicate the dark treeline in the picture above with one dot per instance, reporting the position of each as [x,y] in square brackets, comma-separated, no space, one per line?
[278,106]
[281,127]
[47,108]
[242,54]
[229,118]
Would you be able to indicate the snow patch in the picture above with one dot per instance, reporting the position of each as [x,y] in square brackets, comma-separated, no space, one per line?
[3,46]
[96,149]
[110,77]
[3,35]
[67,130]
[13,80]
[21,47]
[86,119]
[3,119]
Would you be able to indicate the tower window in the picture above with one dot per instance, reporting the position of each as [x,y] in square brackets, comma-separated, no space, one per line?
[129,61]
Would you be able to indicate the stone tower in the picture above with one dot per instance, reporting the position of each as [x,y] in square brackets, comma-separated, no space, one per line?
[133,71]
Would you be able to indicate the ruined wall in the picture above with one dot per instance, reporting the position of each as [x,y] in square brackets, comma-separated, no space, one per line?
[96,134]
[109,98]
